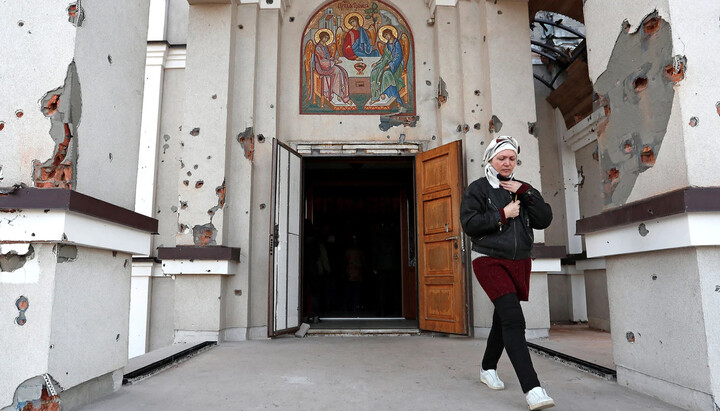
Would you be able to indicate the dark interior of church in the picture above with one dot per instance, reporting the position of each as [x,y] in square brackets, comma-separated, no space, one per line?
[358,248]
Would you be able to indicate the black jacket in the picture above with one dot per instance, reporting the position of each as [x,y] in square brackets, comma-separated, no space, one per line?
[482,221]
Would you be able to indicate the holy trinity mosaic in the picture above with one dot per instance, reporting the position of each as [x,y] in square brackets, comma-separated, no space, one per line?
[357,58]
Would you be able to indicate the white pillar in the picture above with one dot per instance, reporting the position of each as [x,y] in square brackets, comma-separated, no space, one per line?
[579,300]
[140,295]
[150,129]
[579,136]
[157,27]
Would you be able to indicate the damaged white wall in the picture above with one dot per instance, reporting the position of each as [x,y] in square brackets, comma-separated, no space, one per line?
[69,118]
[263,102]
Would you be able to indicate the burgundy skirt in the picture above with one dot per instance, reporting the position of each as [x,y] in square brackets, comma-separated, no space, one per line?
[499,276]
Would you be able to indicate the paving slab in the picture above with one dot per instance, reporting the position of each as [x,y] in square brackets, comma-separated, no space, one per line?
[361,373]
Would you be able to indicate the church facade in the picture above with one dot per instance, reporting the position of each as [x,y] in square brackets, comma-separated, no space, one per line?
[187,170]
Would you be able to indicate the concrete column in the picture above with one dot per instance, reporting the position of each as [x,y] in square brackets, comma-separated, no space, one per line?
[654,76]
[206,127]
[579,300]
[449,70]
[140,299]
[201,262]
[242,154]
[69,120]
[265,127]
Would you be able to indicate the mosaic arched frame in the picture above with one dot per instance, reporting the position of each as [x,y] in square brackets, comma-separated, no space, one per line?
[357,57]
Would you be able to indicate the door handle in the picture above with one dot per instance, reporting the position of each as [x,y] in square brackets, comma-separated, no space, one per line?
[451,238]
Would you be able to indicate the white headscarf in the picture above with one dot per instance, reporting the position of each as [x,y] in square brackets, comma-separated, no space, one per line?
[497,145]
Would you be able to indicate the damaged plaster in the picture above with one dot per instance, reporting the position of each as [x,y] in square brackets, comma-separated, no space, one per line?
[15,259]
[637,91]
[495,124]
[442,93]
[66,253]
[399,119]
[76,13]
[37,393]
[63,106]
[204,234]
[247,140]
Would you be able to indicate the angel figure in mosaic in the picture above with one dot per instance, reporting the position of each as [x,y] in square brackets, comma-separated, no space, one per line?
[387,74]
[324,76]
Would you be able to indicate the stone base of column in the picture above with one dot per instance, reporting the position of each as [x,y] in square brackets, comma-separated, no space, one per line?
[143,269]
[684,397]
[661,256]
[200,275]
[65,288]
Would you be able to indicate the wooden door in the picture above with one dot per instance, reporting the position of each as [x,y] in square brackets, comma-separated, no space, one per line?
[442,280]
[285,233]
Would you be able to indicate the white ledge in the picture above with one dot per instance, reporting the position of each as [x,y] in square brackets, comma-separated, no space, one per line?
[546,265]
[67,227]
[681,230]
[199,267]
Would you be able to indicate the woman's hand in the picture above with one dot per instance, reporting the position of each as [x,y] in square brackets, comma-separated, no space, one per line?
[512,210]
[511,186]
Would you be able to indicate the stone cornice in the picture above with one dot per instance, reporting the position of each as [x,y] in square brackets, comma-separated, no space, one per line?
[689,199]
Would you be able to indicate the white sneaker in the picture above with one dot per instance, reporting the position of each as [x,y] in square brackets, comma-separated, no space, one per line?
[538,399]
[491,379]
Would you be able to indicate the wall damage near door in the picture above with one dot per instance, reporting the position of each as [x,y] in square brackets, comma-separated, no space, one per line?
[637,91]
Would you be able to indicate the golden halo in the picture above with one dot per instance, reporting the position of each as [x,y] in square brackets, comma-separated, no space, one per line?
[328,31]
[346,20]
[382,30]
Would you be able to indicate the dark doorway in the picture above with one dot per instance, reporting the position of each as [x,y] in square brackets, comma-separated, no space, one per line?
[359,240]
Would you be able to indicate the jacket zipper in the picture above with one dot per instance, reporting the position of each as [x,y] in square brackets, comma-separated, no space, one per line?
[514,224]
[496,209]
[515,239]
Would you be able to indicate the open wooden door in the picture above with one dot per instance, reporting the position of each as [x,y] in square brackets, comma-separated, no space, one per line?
[442,292]
[285,233]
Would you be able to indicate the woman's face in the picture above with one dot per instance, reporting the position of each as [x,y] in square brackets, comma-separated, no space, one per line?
[504,162]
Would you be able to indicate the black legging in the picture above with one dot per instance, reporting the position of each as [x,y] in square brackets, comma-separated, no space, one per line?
[508,332]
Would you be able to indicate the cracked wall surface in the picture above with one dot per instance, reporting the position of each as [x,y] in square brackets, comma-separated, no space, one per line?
[63,106]
[25,127]
[637,91]
[76,47]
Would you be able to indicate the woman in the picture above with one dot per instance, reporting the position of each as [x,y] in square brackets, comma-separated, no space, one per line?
[386,74]
[500,213]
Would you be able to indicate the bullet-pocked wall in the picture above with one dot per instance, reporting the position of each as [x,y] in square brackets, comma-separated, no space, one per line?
[649,64]
[471,79]
[464,73]
[641,75]
[277,98]
[71,146]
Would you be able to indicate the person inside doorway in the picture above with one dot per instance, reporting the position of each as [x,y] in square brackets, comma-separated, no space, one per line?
[354,270]
[500,213]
